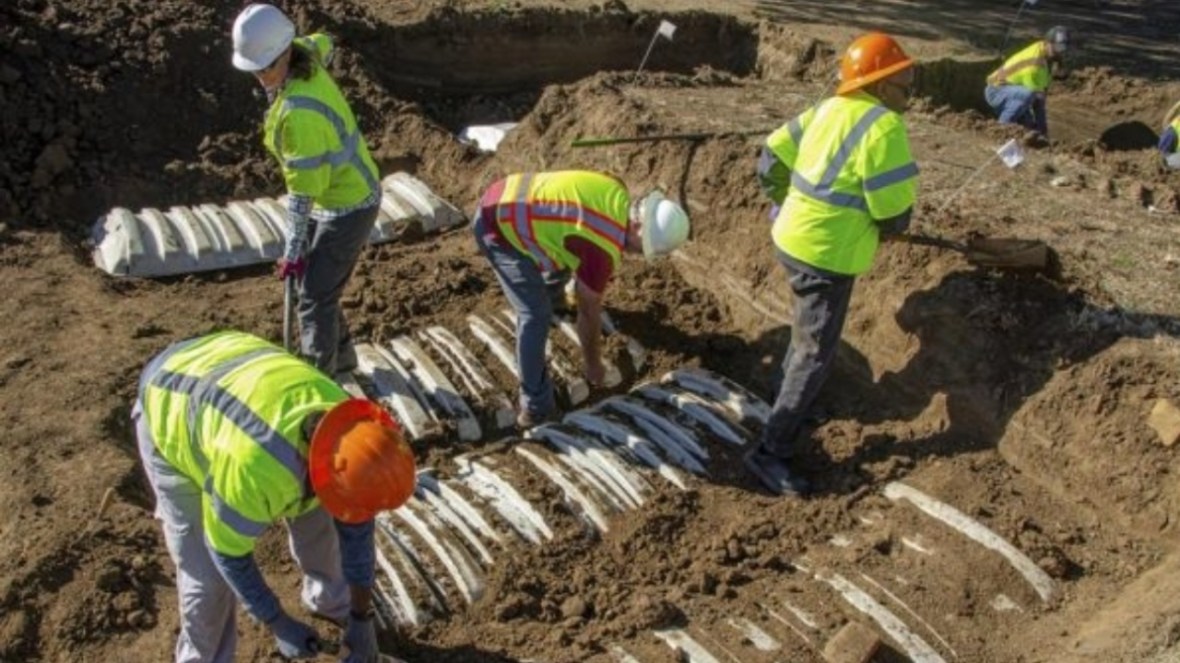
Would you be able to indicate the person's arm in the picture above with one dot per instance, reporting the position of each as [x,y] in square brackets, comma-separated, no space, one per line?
[294,638]
[358,556]
[298,218]
[1040,114]
[246,581]
[590,331]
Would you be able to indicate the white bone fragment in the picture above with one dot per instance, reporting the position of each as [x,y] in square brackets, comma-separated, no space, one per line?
[978,532]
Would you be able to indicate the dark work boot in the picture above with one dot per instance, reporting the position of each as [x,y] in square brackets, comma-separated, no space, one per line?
[776,474]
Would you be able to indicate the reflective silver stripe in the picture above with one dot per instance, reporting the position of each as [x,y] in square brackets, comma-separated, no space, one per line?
[153,366]
[827,195]
[347,154]
[795,128]
[205,391]
[523,225]
[567,211]
[230,516]
[844,152]
[333,159]
[823,191]
[899,174]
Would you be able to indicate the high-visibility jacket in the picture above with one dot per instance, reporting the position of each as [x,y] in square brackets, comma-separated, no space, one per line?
[850,166]
[1028,68]
[226,410]
[536,212]
[311,131]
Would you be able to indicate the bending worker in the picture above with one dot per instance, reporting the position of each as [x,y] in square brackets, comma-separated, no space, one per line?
[1169,143]
[844,177]
[534,227]
[235,434]
[1017,90]
[332,188]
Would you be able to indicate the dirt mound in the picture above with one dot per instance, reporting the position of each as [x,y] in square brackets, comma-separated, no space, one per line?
[1018,400]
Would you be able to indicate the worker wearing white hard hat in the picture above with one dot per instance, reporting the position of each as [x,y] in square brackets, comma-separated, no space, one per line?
[1018,90]
[333,194]
[537,227]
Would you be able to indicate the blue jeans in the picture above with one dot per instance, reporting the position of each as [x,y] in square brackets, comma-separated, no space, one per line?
[527,289]
[821,304]
[1015,104]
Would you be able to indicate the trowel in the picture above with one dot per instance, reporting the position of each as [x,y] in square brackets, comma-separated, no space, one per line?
[1026,255]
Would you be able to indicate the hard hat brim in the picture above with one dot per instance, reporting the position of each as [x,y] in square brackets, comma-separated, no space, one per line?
[647,214]
[322,449]
[861,81]
[245,64]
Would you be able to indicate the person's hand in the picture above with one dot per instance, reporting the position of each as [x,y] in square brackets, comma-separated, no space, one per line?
[291,268]
[595,373]
[295,639]
[361,639]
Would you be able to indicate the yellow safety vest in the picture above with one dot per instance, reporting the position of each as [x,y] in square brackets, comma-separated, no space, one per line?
[850,164]
[1028,68]
[226,410]
[311,131]
[536,212]
[1176,126]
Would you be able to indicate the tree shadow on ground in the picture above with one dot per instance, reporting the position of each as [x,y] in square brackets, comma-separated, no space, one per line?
[1131,36]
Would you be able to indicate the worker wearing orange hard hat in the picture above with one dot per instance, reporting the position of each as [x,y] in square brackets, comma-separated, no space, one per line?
[235,434]
[842,176]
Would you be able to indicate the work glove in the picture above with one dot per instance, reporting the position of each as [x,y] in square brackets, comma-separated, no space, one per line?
[361,639]
[295,639]
[291,268]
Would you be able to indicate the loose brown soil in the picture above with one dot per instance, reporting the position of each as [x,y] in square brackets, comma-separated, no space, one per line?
[1020,400]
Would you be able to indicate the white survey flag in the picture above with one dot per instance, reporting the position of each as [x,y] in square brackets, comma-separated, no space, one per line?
[667,29]
[1011,154]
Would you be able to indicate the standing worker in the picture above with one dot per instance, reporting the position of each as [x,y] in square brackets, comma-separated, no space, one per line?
[843,175]
[235,434]
[1017,90]
[332,188]
[536,227]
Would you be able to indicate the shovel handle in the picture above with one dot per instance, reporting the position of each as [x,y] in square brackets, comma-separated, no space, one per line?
[288,305]
[927,240]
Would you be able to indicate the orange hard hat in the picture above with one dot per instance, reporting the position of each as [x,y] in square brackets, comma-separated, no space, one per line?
[359,462]
[871,58]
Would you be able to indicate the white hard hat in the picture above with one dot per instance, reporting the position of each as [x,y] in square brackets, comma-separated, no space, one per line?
[1058,35]
[664,225]
[261,34]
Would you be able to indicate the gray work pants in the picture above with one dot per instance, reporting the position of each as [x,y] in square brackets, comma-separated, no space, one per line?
[206,602]
[527,290]
[332,254]
[821,304]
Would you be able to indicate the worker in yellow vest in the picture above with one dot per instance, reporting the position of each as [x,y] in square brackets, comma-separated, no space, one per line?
[1169,143]
[1017,90]
[844,177]
[332,190]
[235,434]
[534,227]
